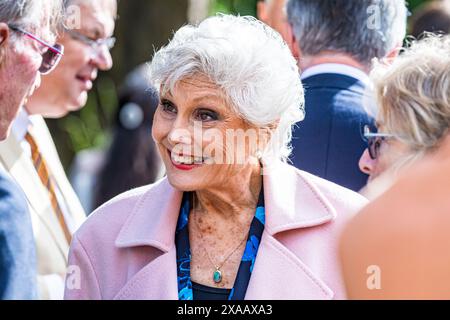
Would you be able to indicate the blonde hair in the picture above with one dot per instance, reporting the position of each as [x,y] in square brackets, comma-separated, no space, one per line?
[413,94]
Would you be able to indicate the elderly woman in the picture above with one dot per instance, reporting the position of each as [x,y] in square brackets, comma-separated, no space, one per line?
[232,220]
[413,97]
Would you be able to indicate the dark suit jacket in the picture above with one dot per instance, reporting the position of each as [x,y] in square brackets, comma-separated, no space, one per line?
[328,143]
[18,271]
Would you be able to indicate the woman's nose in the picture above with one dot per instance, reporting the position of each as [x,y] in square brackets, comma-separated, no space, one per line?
[179,136]
[366,163]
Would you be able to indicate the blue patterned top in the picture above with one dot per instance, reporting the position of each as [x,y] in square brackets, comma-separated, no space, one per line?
[185,291]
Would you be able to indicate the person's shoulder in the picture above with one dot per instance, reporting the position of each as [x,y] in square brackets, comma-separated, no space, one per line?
[344,200]
[12,199]
[333,192]
[9,189]
[333,82]
[405,230]
[335,94]
[108,219]
[6,184]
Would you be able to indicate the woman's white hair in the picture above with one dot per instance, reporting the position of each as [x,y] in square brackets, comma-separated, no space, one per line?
[249,62]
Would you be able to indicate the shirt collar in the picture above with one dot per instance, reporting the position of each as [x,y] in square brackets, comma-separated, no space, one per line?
[336,68]
[21,124]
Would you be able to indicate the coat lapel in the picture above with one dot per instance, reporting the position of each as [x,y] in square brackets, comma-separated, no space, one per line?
[292,202]
[279,274]
[158,279]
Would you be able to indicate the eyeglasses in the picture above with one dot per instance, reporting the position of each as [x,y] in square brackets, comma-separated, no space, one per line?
[51,57]
[94,44]
[375,141]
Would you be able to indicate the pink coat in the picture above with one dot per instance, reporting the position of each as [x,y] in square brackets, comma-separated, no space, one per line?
[126,250]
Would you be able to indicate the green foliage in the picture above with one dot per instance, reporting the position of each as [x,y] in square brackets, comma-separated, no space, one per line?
[242,7]
[413,4]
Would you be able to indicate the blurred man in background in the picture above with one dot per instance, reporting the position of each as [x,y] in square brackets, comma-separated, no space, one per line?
[336,42]
[273,13]
[52,200]
[27,30]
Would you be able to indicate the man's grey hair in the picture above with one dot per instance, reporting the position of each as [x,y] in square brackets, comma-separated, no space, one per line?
[364,29]
[31,13]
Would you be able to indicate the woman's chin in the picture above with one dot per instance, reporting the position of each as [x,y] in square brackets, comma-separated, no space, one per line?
[183,182]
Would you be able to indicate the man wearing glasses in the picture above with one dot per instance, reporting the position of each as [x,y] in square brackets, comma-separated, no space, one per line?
[31,149]
[27,30]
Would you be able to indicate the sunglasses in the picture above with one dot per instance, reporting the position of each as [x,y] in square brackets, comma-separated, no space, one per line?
[51,57]
[375,141]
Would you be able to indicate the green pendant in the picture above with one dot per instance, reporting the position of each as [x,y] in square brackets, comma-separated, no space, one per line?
[217,276]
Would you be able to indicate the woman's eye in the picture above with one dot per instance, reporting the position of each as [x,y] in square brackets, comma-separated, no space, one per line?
[378,144]
[168,107]
[207,115]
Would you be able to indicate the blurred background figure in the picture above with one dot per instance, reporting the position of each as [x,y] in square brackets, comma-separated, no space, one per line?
[132,159]
[413,96]
[27,28]
[336,54]
[404,233]
[432,17]
[273,13]
[31,155]
[398,245]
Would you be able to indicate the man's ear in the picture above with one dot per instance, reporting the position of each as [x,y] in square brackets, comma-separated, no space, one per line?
[391,56]
[4,34]
[293,43]
[261,11]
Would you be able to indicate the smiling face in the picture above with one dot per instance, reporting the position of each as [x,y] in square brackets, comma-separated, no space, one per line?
[66,88]
[202,141]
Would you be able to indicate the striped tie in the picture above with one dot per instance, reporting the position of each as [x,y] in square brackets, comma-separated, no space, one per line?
[47,181]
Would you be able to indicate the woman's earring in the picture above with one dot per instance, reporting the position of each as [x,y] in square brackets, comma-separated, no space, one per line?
[259,155]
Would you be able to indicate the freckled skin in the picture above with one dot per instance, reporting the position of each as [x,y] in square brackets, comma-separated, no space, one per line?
[219,240]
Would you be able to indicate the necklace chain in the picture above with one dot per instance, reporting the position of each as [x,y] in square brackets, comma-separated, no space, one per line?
[207,253]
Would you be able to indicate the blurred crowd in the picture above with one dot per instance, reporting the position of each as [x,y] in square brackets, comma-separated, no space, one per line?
[357,111]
